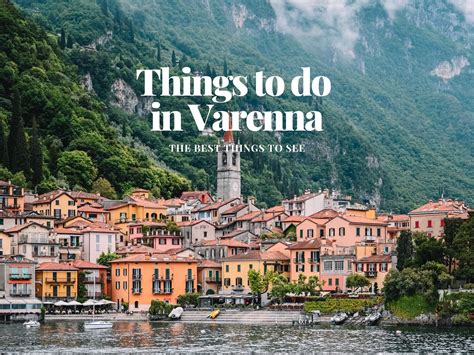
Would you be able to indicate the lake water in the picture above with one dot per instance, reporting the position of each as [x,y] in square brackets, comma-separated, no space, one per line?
[70,336]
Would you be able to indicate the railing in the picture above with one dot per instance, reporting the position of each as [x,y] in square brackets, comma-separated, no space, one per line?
[61,280]
[298,261]
[21,276]
[313,260]
[38,238]
[137,291]
[214,279]
[90,280]
[136,277]
[162,291]
[371,273]
[20,293]
[189,278]
[40,254]
[238,288]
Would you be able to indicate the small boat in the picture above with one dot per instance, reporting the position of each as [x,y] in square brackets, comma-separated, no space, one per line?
[339,318]
[176,313]
[32,324]
[98,324]
[373,318]
[214,314]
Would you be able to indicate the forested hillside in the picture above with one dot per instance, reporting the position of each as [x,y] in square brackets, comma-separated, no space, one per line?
[384,141]
[53,133]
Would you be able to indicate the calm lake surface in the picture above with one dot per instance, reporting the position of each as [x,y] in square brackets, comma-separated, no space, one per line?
[70,336]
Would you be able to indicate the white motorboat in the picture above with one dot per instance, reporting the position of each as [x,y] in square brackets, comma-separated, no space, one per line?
[373,318]
[97,324]
[339,318]
[32,324]
[176,313]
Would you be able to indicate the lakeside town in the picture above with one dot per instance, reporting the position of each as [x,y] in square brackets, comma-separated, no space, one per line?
[65,249]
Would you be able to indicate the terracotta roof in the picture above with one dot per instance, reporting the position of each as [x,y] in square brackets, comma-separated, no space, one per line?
[55,267]
[376,259]
[84,195]
[441,206]
[215,205]
[89,208]
[146,203]
[304,197]
[5,183]
[259,255]
[248,216]
[18,259]
[363,220]
[278,208]
[50,196]
[192,223]
[82,264]
[235,233]
[157,257]
[148,223]
[210,263]
[20,227]
[294,219]
[306,244]
[235,209]
[99,228]
[326,213]
[393,218]
[173,202]
[223,242]
[136,249]
[62,230]
[265,217]
[186,195]
[138,189]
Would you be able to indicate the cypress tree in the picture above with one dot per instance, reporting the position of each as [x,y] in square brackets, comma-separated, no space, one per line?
[62,39]
[3,147]
[69,42]
[18,150]
[158,52]
[225,68]
[208,70]
[173,58]
[36,155]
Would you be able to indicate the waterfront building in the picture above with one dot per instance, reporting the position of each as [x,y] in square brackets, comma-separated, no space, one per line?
[56,281]
[217,249]
[336,264]
[347,230]
[59,204]
[429,218]
[209,277]
[235,268]
[10,219]
[98,239]
[396,223]
[311,228]
[17,288]
[305,258]
[196,231]
[33,241]
[372,265]
[140,278]
[12,197]
[90,274]
[70,243]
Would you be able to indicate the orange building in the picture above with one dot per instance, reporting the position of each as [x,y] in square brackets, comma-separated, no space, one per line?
[305,258]
[58,203]
[138,279]
[12,198]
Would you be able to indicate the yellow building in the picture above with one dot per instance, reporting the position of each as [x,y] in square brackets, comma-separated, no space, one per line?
[369,213]
[59,204]
[235,268]
[55,281]
[12,198]
[134,209]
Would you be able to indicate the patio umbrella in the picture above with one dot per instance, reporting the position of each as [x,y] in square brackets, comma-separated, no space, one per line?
[61,304]
[101,302]
[89,303]
[75,303]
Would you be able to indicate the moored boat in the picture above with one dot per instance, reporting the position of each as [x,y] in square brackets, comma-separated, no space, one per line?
[98,324]
[176,313]
[214,313]
[339,318]
[32,324]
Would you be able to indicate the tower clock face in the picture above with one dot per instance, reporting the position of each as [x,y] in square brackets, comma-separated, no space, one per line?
[235,186]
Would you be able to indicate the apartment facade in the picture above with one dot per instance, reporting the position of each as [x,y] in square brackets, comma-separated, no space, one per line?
[56,281]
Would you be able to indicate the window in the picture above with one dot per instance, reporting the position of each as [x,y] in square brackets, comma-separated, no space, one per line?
[109,241]
[175,241]
[238,281]
[55,291]
[332,232]
[162,241]
[205,234]
[358,232]
[383,267]
[430,223]
[125,285]
[310,233]
[56,202]
[359,267]
[328,265]
[250,266]
[339,265]
[441,223]
[227,268]
[134,217]
[368,232]
[124,272]
[71,213]
[417,224]
[379,232]
[226,282]
[136,304]
[349,265]
[321,233]
[238,268]
[117,272]
[1,221]
[337,281]
[301,233]
[329,282]
[342,232]
[386,250]
[57,213]
[97,242]
[70,203]
[117,285]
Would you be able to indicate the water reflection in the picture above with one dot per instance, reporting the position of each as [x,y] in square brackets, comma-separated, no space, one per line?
[63,336]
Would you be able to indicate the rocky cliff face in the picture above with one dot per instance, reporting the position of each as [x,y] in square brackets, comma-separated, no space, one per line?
[123,96]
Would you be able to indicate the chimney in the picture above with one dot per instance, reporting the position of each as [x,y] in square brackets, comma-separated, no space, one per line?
[307,191]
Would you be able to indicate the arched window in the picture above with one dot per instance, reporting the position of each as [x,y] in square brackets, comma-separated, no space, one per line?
[153,216]
[342,232]
[332,232]
[224,158]
[234,159]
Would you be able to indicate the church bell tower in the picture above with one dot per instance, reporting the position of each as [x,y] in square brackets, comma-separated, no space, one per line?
[228,169]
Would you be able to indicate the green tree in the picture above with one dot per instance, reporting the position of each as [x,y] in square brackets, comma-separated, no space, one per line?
[62,39]
[158,52]
[69,41]
[18,149]
[427,249]
[225,70]
[105,258]
[172,227]
[463,245]
[173,58]
[104,187]
[36,155]
[4,160]
[451,228]
[258,283]
[78,168]
[357,281]
[405,250]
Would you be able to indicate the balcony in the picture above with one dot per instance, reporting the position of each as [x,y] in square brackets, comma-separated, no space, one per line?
[189,278]
[20,276]
[214,280]
[61,280]
[20,293]
[313,260]
[136,277]
[371,273]
[44,254]
[90,280]
[137,291]
[370,238]
[159,291]
[238,288]
[298,261]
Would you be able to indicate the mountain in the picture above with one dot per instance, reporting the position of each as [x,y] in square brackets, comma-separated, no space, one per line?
[398,124]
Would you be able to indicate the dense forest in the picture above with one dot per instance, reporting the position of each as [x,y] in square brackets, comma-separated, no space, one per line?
[69,91]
